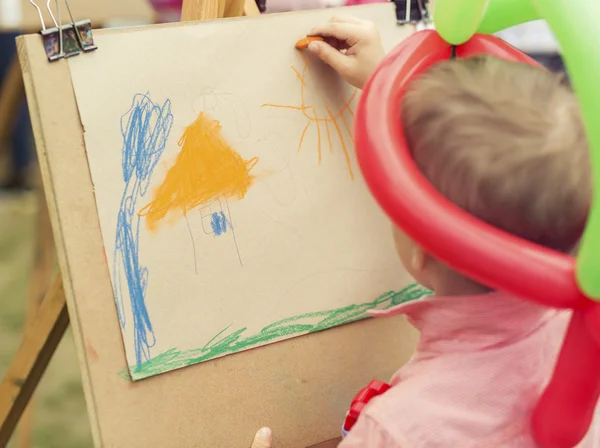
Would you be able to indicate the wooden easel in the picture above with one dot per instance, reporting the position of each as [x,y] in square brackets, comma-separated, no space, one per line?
[12,89]
[12,92]
[46,326]
[300,387]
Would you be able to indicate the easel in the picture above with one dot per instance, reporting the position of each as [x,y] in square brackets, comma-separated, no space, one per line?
[12,92]
[48,318]
[337,372]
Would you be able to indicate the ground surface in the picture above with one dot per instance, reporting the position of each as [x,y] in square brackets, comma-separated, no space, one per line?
[60,417]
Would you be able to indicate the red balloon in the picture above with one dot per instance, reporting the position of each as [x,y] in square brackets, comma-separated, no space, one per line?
[566,408]
[484,253]
[486,44]
[476,249]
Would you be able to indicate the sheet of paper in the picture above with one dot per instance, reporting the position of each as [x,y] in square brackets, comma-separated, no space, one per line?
[232,209]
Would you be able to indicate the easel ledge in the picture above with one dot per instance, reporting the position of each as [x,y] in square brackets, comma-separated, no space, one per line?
[299,387]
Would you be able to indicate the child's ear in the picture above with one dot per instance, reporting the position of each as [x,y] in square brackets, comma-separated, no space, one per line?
[418,258]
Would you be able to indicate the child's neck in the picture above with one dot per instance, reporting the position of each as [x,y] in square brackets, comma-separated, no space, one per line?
[454,284]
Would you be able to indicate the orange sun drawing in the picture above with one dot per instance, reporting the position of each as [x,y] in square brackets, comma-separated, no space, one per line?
[328,119]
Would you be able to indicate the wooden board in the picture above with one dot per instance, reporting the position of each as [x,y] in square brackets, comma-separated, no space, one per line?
[301,387]
[23,16]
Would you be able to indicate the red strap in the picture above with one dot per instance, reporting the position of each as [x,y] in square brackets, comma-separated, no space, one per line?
[361,399]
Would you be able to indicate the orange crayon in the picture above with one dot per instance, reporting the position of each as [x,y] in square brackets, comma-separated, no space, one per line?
[303,43]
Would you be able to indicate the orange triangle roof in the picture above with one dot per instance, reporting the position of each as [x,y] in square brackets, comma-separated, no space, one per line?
[206,167]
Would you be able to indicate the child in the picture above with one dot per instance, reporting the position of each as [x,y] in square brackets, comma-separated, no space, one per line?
[505,142]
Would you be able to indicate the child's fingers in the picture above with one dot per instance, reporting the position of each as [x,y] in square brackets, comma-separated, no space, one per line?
[303,43]
[336,43]
[330,56]
[346,19]
[340,30]
[262,439]
[332,41]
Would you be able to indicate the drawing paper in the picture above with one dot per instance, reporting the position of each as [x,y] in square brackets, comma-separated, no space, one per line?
[232,209]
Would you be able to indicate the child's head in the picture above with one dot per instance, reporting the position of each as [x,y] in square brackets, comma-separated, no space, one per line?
[506,143]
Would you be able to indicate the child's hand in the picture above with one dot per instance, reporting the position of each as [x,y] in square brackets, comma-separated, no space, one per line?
[262,439]
[357,49]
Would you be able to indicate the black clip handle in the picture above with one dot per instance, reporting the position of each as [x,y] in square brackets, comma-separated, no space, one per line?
[453,52]
[262,5]
[411,11]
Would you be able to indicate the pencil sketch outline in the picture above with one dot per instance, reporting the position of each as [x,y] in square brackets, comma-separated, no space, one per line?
[206,169]
[240,113]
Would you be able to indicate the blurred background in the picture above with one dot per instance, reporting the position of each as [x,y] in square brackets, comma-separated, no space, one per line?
[60,418]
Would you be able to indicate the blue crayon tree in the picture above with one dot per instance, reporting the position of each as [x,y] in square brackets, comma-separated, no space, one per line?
[145,129]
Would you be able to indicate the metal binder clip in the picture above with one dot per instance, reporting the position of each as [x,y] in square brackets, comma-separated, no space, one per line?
[85,36]
[70,40]
[60,41]
[411,11]
[51,37]
[83,31]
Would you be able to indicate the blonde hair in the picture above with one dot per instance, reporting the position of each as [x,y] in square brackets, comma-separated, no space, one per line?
[505,142]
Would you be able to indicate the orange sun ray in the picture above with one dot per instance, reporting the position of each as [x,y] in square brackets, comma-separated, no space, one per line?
[346,154]
[309,112]
[348,130]
[318,140]
[303,134]
[328,136]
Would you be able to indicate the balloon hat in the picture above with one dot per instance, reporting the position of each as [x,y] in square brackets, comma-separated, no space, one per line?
[496,258]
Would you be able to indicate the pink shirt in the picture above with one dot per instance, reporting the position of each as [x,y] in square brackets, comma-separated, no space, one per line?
[479,368]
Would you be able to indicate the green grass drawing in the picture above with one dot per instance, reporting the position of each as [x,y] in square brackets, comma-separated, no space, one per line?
[228,341]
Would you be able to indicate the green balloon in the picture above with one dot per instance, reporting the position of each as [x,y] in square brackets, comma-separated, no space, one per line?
[457,21]
[501,14]
[575,25]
